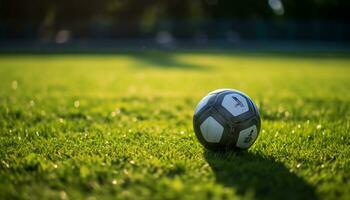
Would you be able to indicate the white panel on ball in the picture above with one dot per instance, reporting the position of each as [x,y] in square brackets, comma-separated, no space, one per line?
[236,104]
[247,137]
[202,103]
[211,130]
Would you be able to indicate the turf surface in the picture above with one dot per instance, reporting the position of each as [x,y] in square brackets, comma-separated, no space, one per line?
[119,126]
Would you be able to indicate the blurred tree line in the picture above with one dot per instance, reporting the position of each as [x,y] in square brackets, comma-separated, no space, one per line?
[33,18]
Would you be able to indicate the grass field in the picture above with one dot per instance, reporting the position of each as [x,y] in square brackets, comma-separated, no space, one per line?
[119,126]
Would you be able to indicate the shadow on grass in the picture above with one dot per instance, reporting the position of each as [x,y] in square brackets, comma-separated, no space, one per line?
[163,60]
[263,176]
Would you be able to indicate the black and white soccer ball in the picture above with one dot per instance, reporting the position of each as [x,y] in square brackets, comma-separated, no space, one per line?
[226,119]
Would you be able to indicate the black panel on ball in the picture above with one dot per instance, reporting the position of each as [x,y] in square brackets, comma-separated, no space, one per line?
[209,104]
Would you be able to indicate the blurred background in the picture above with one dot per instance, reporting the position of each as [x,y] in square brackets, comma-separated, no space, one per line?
[133,24]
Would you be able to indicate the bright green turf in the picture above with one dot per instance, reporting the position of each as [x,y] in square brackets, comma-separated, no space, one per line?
[120,126]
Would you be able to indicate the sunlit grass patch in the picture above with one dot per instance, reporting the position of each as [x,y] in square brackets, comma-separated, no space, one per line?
[120,126]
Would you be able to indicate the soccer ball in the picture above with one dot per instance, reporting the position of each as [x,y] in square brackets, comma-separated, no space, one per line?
[226,119]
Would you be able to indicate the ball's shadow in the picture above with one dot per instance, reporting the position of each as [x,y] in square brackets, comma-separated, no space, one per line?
[251,173]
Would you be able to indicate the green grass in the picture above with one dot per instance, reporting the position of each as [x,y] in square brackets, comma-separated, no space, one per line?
[119,126]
